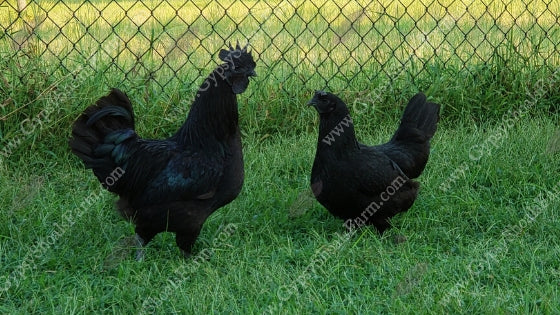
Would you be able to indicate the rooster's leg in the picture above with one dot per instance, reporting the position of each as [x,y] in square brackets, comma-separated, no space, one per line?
[142,239]
[140,252]
[185,240]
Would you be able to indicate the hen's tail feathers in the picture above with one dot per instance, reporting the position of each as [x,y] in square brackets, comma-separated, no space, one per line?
[98,135]
[410,145]
[419,120]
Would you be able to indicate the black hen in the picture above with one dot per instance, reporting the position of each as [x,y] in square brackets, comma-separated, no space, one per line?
[172,184]
[363,184]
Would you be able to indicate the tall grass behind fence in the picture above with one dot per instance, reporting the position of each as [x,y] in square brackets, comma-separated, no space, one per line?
[331,41]
[346,46]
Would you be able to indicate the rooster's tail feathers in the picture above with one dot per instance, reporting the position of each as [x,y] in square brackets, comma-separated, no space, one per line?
[98,135]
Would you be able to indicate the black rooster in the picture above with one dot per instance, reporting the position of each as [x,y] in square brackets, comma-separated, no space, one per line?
[369,184]
[172,184]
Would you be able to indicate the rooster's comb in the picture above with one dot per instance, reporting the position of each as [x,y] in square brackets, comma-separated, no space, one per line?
[237,47]
[236,52]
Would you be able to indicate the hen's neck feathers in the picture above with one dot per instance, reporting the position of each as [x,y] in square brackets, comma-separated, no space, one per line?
[213,115]
[336,133]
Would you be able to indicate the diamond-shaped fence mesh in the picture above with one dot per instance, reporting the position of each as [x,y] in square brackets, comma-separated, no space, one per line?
[309,43]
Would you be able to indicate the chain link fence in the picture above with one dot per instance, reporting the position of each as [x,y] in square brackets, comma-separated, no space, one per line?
[302,43]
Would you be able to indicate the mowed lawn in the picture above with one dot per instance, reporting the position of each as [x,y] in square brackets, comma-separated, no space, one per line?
[483,240]
[482,237]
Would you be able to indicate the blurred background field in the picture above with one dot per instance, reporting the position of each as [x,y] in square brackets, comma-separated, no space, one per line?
[465,54]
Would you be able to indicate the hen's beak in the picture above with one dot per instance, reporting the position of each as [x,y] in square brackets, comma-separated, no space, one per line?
[311,102]
[252,73]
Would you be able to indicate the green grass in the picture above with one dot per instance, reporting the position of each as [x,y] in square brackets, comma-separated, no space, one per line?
[463,250]
[476,240]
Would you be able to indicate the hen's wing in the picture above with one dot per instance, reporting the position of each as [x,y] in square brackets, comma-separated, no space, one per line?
[374,171]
